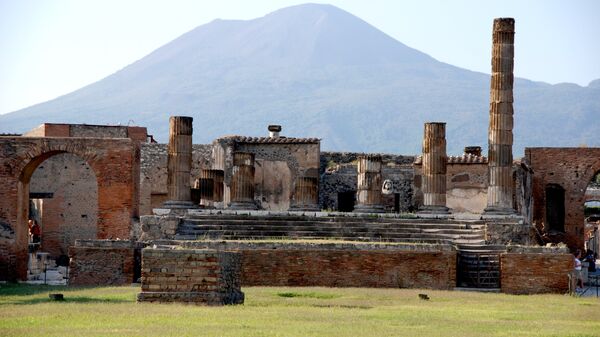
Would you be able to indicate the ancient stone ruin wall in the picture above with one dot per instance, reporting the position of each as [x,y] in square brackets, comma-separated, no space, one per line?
[193,276]
[569,169]
[535,272]
[466,186]
[278,162]
[338,174]
[343,265]
[153,172]
[115,163]
[68,208]
[103,262]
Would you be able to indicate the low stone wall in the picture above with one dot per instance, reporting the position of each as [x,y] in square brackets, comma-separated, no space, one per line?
[535,272]
[194,276]
[156,227]
[102,262]
[342,264]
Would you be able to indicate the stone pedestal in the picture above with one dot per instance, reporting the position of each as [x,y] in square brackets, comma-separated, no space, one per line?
[306,194]
[434,169]
[242,182]
[500,136]
[179,163]
[368,195]
[210,184]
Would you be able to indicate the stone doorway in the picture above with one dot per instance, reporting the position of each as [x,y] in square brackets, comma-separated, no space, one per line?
[555,208]
[346,201]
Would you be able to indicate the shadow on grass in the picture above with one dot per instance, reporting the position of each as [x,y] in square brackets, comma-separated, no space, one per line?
[16,289]
[73,299]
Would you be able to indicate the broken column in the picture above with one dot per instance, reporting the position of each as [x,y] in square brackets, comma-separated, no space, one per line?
[434,169]
[179,163]
[306,194]
[368,195]
[242,181]
[500,136]
[210,184]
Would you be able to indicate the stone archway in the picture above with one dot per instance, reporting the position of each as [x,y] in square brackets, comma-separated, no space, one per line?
[571,168]
[115,163]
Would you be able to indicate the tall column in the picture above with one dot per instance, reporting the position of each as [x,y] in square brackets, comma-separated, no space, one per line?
[306,194]
[368,195]
[242,181]
[500,136]
[210,184]
[434,169]
[179,163]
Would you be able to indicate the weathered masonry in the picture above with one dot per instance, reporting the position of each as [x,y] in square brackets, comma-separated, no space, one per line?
[115,163]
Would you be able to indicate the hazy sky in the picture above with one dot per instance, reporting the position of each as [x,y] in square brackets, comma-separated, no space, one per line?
[52,47]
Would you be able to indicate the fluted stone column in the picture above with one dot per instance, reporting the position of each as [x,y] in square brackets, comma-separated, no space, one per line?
[210,184]
[242,181]
[368,195]
[434,169]
[306,194]
[179,163]
[500,136]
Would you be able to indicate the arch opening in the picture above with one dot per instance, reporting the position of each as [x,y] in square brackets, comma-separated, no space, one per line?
[59,191]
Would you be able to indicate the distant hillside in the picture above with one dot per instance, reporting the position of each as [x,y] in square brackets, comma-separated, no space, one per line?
[320,72]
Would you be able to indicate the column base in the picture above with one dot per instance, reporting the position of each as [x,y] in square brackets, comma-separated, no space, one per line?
[179,204]
[304,208]
[498,210]
[434,212]
[369,209]
[243,205]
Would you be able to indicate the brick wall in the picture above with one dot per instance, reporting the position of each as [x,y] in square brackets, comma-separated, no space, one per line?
[72,211]
[191,276]
[534,273]
[572,169]
[106,262]
[115,163]
[344,265]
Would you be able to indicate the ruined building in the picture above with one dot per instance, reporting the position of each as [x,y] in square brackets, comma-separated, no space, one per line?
[103,193]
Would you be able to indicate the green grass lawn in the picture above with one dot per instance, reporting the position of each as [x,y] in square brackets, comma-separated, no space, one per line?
[112,311]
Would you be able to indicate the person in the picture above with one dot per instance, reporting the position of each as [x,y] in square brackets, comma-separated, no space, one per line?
[35,231]
[29,225]
[590,258]
[578,272]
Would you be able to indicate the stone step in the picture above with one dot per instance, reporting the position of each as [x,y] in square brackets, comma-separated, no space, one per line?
[328,226]
[319,222]
[301,233]
[332,231]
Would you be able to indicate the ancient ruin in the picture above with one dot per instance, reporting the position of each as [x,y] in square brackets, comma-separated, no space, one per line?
[196,222]
[500,137]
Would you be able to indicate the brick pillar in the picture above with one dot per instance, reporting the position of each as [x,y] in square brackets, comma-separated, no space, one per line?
[368,195]
[434,169]
[306,194]
[242,181]
[210,184]
[179,163]
[500,136]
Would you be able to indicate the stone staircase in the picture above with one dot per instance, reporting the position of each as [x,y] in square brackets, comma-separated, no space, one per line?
[351,228]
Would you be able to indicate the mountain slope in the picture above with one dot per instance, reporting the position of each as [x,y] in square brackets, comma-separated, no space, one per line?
[319,71]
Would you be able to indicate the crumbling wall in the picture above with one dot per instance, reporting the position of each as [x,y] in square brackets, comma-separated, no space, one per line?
[191,276]
[343,265]
[153,172]
[115,163]
[535,272]
[102,262]
[69,207]
[338,174]
[572,169]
